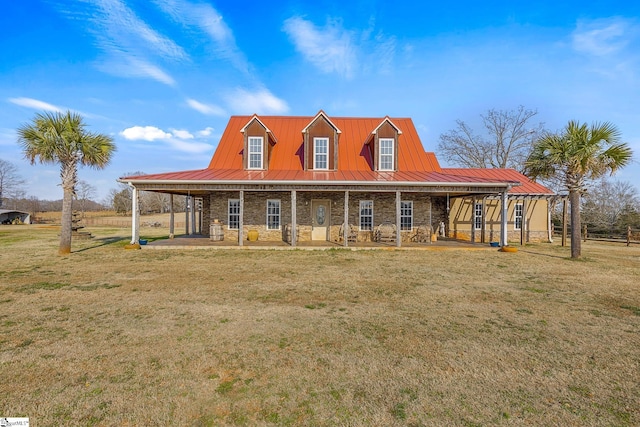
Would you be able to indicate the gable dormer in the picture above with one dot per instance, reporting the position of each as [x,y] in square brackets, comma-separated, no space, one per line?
[258,144]
[321,144]
[384,146]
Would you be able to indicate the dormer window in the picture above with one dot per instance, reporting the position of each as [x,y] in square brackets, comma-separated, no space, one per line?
[386,156]
[321,153]
[320,138]
[258,145]
[383,146]
[256,158]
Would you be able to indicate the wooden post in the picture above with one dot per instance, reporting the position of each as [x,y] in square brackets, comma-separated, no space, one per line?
[628,235]
[171,217]
[473,219]
[523,226]
[483,229]
[564,221]
[187,202]
[398,220]
[584,229]
[241,222]
[346,230]
[294,219]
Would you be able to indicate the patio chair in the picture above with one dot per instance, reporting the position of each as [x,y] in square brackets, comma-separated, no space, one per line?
[352,232]
[385,232]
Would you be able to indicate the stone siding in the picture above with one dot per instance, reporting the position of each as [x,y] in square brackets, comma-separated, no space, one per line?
[426,210]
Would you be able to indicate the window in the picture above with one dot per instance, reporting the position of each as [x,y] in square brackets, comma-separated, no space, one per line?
[517,220]
[273,214]
[477,216]
[255,152]
[366,215]
[234,214]
[386,154]
[321,153]
[406,216]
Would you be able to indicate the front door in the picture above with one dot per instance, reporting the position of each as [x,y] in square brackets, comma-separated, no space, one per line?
[320,219]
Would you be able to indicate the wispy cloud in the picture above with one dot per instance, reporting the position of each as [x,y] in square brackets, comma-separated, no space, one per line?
[206,109]
[334,49]
[129,44]
[205,132]
[181,133]
[603,36]
[259,101]
[36,104]
[208,20]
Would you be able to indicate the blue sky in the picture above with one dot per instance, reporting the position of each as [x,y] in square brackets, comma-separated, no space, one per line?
[163,76]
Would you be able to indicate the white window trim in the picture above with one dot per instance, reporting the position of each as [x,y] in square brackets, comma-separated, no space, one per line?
[315,153]
[279,214]
[261,139]
[360,216]
[515,216]
[476,216]
[410,202]
[229,214]
[392,154]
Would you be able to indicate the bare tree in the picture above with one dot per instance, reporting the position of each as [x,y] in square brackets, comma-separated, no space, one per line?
[84,193]
[10,181]
[506,143]
[605,202]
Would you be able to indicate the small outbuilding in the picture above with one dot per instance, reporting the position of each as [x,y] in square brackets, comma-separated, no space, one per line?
[8,216]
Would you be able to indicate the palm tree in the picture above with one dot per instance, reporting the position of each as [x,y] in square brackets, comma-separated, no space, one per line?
[575,155]
[62,138]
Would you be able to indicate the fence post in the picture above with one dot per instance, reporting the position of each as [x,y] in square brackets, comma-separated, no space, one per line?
[585,232]
[628,235]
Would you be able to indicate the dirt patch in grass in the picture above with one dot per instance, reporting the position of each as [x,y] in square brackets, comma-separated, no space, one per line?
[227,337]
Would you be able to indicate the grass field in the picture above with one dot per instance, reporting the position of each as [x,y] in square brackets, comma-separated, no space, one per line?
[113,337]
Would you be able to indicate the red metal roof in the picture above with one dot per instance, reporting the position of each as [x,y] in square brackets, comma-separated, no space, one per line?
[527,185]
[354,158]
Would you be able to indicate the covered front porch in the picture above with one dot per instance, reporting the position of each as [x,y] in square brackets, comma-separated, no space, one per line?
[309,214]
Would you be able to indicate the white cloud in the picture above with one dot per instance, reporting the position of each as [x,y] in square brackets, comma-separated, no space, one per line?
[331,48]
[208,20]
[334,49]
[207,109]
[259,101]
[129,66]
[601,37]
[129,44]
[146,133]
[205,132]
[36,104]
[175,140]
[182,134]
[190,147]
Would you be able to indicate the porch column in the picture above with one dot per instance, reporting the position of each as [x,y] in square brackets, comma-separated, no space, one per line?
[187,202]
[503,219]
[294,219]
[241,222]
[346,230]
[135,216]
[523,226]
[171,217]
[193,215]
[483,238]
[398,226]
[473,219]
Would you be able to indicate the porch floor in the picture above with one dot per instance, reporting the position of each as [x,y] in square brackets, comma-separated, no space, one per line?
[203,242]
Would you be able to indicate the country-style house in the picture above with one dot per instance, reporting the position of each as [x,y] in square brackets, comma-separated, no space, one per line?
[347,180]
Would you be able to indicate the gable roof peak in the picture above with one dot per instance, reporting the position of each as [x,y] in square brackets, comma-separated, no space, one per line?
[387,119]
[323,114]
